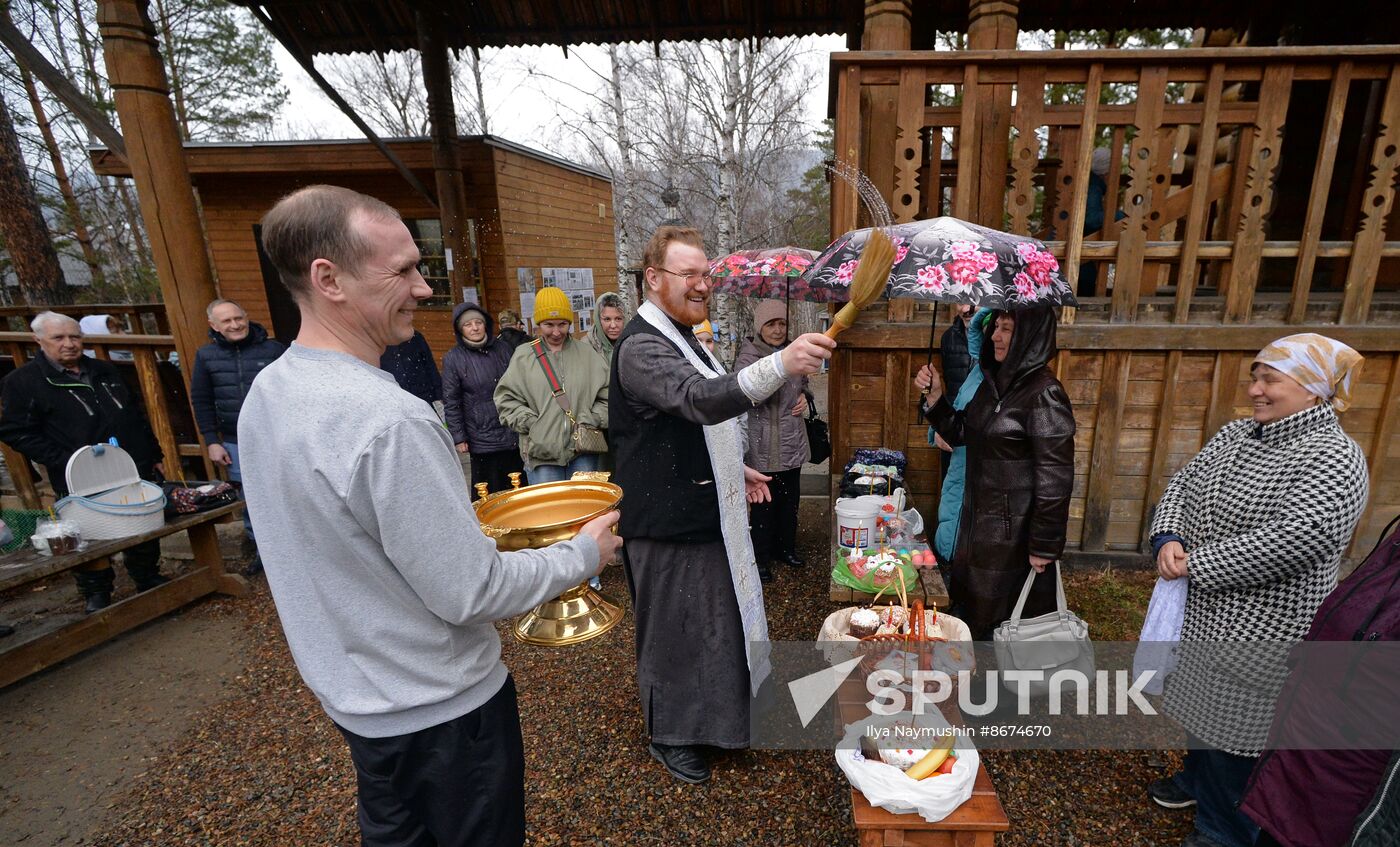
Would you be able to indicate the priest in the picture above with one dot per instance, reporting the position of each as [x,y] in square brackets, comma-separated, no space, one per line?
[675,420]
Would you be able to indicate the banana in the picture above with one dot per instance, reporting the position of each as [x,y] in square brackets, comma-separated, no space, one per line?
[930,762]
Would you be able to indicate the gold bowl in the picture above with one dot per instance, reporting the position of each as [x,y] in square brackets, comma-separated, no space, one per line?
[538,516]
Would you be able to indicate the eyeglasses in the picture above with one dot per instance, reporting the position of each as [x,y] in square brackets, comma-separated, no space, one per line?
[705,277]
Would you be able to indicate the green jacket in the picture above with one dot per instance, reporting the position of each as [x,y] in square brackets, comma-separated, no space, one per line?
[526,403]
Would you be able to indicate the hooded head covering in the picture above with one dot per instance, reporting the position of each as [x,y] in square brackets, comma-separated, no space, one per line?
[94,325]
[462,309]
[765,311]
[1324,366]
[598,339]
[1032,346]
[507,317]
[1100,161]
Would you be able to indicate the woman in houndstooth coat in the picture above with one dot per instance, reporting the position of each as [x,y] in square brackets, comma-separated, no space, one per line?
[1257,523]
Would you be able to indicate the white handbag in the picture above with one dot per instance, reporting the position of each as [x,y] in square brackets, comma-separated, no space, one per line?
[1054,641]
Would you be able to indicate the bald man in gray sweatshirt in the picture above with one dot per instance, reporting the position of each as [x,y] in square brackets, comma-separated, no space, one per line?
[384,583]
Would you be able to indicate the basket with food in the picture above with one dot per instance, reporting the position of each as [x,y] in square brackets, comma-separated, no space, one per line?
[909,763]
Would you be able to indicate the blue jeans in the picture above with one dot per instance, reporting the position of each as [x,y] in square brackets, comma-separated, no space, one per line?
[1217,780]
[235,474]
[555,473]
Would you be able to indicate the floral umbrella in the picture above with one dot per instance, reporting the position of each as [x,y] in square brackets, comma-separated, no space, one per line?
[775,273]
[952,261]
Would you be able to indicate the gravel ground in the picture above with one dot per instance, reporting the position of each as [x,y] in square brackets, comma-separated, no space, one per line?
[266,767]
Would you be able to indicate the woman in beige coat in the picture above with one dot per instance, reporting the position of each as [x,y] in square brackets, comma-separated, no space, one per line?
[777,444]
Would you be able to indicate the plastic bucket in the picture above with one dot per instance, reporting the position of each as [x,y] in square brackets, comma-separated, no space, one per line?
[855,523]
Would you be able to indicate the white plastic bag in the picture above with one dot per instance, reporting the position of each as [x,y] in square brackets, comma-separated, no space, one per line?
[889,788]
[1156,650]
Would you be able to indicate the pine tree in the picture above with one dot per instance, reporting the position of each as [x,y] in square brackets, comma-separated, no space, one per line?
[26,238]
[223,78]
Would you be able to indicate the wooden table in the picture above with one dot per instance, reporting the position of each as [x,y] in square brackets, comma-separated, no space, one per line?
[24,654]
[973,824]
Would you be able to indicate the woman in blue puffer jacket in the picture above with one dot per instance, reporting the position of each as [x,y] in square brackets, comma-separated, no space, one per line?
[950,501]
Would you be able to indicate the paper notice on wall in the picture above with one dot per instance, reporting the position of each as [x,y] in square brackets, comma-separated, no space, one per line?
[582,303]
[527,310]
[569,279]
[525,280]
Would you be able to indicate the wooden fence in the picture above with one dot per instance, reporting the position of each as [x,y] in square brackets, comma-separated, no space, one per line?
[137,318]
[1248,195]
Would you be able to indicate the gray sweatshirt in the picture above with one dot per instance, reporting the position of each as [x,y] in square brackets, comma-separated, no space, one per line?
[385,585]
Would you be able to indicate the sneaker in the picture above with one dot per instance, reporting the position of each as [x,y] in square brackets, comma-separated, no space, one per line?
[1167,794]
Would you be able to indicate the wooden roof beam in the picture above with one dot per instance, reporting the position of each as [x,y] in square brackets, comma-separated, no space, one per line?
[304,60]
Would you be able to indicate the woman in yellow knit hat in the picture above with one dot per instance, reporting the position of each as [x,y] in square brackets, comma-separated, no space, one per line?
[705,334]
[525,396]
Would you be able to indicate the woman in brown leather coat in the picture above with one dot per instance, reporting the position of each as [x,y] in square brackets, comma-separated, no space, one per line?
[1019,434]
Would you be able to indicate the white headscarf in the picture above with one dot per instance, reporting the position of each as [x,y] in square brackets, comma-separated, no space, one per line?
[1324,366]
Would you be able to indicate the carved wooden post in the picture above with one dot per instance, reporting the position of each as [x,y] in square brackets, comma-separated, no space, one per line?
[447,165]
[992,26]
[157,157]
[887,27]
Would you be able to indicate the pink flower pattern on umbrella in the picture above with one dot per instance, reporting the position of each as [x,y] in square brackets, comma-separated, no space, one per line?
[1025,286]
[945,259]
[932,277]
[847,271]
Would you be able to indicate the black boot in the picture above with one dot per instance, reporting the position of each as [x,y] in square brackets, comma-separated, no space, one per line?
[254,567]
[765,574]
[143,565]
[792,560]
[6,630]
[150,582]
[685,762]
[96,588]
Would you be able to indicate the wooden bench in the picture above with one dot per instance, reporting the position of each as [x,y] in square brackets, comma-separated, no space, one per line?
[23,654]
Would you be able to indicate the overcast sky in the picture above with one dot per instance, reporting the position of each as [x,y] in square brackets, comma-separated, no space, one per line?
[517,109]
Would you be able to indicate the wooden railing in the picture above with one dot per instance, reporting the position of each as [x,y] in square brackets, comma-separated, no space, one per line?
[138,318]
[159,385]
[1236,170]
[1257,192]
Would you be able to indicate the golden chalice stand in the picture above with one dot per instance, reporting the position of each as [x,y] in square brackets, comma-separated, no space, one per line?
[536,516]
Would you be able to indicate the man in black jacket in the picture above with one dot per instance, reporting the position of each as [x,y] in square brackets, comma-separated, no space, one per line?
[62,401]
[223,372]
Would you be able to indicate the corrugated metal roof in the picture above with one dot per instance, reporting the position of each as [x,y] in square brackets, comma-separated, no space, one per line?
[384,25]
[353,26]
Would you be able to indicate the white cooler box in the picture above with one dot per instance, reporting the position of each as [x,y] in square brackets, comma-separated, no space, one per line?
[108,499]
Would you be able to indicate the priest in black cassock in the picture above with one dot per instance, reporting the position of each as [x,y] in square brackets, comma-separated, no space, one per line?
[676,426]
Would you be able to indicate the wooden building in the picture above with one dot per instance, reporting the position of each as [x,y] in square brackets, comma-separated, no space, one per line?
[1257,191]
[525,210]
